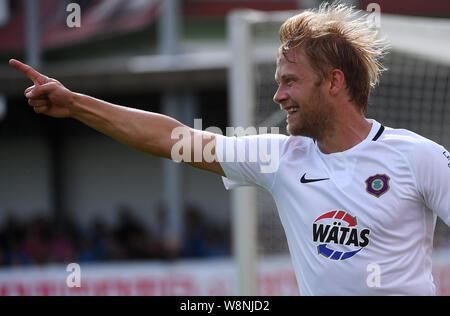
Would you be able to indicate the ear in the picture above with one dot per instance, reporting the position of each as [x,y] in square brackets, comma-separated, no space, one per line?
[337,81]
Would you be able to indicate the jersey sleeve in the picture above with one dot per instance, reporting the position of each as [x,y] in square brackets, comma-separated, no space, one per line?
[250,160]
[431,165]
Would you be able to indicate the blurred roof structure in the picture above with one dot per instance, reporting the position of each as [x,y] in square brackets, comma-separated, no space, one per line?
[99,18]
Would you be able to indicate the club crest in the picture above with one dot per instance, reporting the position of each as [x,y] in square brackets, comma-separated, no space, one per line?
[377,185]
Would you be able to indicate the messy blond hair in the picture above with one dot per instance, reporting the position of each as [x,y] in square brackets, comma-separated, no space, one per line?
[338,37]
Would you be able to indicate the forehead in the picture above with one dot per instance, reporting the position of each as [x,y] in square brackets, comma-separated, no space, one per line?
[293,61]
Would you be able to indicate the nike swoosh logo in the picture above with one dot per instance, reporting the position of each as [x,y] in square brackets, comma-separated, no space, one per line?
[304,180]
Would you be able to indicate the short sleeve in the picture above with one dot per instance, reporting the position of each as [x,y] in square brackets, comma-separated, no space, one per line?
[250,160]
[431,165]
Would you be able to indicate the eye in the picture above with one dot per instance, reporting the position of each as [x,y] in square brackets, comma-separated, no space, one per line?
[290,81]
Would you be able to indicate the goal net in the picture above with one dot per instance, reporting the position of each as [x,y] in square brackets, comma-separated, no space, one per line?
[413,94]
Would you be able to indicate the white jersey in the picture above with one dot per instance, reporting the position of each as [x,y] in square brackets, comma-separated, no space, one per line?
[358,222]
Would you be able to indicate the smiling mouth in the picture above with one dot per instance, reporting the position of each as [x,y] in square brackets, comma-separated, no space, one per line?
[291,112]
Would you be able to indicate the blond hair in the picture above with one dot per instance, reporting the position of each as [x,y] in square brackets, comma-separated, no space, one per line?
[338,37]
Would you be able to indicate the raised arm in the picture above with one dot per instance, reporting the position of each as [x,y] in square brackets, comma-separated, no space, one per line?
[145,131]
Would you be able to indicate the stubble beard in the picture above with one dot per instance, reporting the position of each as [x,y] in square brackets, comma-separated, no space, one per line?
[314,120]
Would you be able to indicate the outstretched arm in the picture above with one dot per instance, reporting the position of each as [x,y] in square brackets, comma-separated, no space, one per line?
[145,131]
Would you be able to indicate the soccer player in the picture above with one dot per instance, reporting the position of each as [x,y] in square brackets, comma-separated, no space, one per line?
[358,201]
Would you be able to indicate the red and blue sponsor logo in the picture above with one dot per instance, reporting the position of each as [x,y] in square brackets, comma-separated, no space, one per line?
[338,236]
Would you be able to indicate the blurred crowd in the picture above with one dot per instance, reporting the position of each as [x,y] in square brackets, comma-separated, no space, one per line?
[40,240]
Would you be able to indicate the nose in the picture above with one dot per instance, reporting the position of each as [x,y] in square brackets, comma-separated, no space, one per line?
[280,96]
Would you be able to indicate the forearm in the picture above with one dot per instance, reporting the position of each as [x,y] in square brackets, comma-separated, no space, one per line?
[145,131]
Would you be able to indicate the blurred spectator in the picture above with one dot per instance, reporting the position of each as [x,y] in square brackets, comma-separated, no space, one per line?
[218,242]
[100,239]
[132,235]
[12,242]
[61,247]
[202,239]
[86,250]
[37,240]
[194,241]
[15,254]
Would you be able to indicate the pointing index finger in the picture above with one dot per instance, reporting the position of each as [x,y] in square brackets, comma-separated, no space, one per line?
[28,71]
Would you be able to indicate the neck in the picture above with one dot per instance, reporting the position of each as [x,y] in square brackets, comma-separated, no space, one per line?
[347,132]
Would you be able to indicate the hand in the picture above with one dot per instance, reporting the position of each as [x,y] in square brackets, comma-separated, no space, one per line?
[47,96]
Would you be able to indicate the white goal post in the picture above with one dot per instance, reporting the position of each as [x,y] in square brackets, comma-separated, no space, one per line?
[241,113]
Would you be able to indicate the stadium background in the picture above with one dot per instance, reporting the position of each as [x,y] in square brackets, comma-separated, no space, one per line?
[70,194]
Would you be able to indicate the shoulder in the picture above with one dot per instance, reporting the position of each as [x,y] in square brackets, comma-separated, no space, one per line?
[418,150]
[407,141]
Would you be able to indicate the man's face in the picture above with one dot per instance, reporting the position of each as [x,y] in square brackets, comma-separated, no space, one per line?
[302,94]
